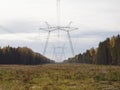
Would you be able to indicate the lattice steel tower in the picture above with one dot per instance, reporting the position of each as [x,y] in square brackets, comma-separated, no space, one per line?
[58,28]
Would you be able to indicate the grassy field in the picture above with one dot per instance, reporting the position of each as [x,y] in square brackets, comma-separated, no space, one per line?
[59,77]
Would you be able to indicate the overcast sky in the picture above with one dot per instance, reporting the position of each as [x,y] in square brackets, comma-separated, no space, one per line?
[21,19]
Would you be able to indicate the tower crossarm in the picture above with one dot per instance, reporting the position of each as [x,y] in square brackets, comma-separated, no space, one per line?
[68,29]
[48,29]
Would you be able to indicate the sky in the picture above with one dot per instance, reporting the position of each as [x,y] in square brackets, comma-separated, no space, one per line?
[20,21]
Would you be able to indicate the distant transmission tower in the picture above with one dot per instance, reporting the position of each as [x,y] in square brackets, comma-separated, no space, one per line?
[58,28]
[59,53]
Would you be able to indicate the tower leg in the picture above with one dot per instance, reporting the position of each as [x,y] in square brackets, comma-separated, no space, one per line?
[70,41]
[46,44]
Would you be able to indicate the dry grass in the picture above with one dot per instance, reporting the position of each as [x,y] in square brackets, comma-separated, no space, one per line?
[59,77]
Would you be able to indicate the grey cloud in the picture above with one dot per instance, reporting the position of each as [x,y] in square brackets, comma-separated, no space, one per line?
[95,33]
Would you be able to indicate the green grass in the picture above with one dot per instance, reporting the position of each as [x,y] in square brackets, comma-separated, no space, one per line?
[59,77]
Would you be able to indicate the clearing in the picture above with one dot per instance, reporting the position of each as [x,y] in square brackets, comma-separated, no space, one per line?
[59,77]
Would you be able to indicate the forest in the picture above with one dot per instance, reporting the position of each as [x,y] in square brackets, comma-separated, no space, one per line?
[21,55]
[107,53]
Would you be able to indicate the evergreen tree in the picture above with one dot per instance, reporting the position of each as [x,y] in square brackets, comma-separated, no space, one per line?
[9,55]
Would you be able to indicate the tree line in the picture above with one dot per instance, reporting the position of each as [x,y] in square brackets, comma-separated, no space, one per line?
[107,53]
[21,55]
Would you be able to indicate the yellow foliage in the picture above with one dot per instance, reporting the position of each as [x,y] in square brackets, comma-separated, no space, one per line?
[112,41]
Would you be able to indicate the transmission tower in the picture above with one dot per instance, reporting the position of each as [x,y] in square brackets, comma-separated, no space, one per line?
[58,28]
[59,53]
